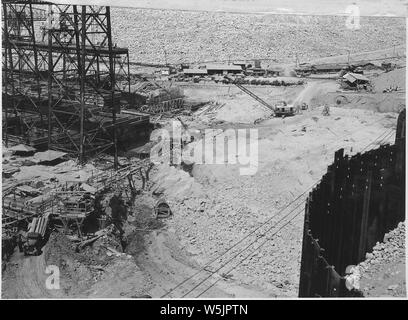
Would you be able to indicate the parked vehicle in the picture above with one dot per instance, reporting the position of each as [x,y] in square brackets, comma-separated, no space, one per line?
[35,237]
[282,109]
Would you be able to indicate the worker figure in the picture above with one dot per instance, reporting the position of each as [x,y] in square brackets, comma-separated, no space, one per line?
[142,175]
[326,110]
[20,242]
[63,22]
[43,31]
[298,108]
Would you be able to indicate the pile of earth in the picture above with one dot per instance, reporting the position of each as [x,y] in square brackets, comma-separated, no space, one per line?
[382,274]
[394,78]
[176,185]
[100,269]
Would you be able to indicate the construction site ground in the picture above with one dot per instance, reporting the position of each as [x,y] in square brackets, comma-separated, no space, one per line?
[213,205]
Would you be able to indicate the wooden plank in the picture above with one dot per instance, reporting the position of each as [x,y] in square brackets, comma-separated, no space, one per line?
[364,218]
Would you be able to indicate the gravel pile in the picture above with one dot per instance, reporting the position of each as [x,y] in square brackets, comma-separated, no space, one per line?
[392,248]
[383,271]
[211,221]
[154,36]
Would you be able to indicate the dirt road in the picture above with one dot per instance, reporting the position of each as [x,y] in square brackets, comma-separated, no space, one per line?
[25,278]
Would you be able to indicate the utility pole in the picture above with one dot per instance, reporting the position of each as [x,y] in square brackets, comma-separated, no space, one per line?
[165,56]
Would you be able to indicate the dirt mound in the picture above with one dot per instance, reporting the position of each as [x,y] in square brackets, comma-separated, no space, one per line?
[100,270]
[76,269]
[174,184]
[383,272]
[378,102]
[393,78]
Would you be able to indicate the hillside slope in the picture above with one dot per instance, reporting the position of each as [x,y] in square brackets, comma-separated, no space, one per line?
[156,35]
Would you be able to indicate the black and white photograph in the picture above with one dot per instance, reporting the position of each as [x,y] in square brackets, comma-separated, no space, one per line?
[221,150]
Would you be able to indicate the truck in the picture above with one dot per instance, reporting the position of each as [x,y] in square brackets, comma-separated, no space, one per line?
[35,237]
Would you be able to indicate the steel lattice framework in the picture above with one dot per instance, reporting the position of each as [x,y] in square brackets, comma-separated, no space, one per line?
[60,70]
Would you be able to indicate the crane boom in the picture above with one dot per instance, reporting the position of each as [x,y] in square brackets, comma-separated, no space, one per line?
[250,93]
[253,95]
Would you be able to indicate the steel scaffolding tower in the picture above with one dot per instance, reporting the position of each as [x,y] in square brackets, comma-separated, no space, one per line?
[60,70]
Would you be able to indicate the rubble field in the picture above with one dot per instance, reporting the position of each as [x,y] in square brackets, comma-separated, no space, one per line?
[382,274]
[162,36]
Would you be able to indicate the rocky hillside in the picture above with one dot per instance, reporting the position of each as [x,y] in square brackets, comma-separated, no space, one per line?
[156,35]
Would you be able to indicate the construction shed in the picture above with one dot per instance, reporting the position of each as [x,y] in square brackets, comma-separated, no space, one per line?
[213,69]
[355,78]
[355,81]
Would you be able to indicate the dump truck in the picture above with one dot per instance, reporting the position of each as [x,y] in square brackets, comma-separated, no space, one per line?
[34,239]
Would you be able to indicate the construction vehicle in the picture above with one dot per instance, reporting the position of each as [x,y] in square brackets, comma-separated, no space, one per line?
[35,236]
[326,110]
[282,109]
[304,106]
